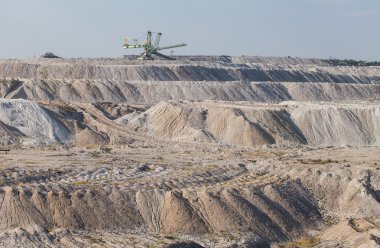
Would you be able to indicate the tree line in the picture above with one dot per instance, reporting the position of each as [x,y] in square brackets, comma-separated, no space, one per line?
[351,62]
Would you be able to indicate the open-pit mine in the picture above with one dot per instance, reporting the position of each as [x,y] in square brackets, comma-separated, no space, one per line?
[201,151]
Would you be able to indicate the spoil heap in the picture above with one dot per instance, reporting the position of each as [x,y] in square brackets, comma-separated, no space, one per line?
[211,151]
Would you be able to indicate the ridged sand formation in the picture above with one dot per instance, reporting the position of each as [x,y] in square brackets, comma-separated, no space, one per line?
[204,151]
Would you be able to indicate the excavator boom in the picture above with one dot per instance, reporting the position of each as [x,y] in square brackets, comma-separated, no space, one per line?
[169,47]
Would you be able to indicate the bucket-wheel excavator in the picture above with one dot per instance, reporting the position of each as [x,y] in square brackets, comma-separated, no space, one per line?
[151,47]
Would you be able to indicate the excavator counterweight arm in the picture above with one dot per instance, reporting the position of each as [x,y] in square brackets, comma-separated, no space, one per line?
[157,41]
[149,39]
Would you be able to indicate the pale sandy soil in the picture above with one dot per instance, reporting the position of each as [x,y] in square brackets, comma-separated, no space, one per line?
[194,170]
[205,151]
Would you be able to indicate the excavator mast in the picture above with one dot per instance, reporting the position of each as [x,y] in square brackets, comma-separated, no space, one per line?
[151,47]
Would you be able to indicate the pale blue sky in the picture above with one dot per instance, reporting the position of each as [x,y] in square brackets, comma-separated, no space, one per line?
[96,28]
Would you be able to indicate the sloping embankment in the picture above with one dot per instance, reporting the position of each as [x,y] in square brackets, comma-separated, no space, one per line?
[270,213]
[183,70]
[153,91]
[240,124]
[255,125]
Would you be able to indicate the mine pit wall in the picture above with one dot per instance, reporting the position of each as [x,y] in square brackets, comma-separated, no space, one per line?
[219,78]
[178,73]
[151,92]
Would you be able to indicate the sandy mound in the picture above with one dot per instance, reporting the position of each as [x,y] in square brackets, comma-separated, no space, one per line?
[213,123]
[170,212]
[343,194]
[33,121]
[338,125]
[254,125]
[9,135]
[240,124]
[89,137]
